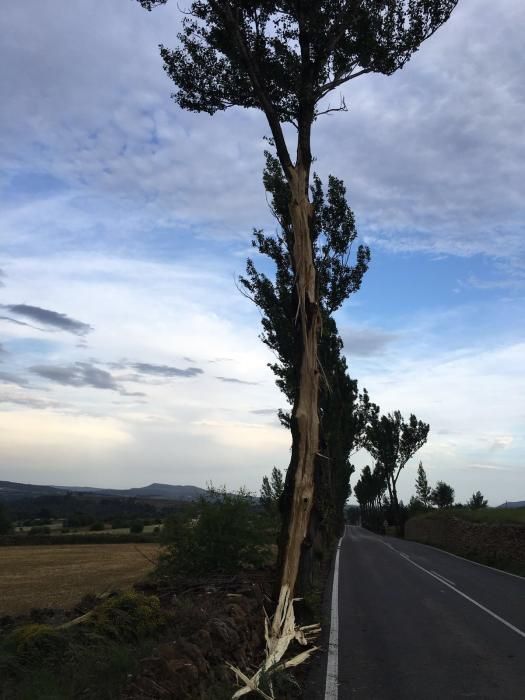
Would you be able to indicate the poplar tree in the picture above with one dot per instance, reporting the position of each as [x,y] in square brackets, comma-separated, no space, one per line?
[392,442]
[423,490]
[343,414]
[284,58]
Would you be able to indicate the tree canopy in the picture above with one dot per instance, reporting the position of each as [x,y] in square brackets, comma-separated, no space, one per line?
[443,495]
[477,500]
[343,415]
[285,57]
[423,489]
[392,442]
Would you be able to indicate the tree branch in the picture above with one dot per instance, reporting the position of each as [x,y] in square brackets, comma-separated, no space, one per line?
[224,7]
[336,82]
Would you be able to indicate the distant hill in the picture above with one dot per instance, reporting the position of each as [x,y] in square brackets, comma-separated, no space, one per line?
[10,490]
[513,504]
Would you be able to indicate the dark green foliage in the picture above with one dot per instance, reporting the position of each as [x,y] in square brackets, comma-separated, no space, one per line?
[39,530]
[416,507]
[136,527]
[342,419]
[443,495]
[271,492]
[392,442]
[369,492]
[285,58]
[97,527]
[333,234]
[234,52]
[120,524]
[128,617]
[82,510]
[80,520]
[5,521]
[423,490]
[477,501]
[32,642]
[91,660]
[222,535]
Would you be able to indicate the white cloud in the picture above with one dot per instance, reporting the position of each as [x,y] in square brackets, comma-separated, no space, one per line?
[159,314]
[473,402]
[431,156]
[134,194]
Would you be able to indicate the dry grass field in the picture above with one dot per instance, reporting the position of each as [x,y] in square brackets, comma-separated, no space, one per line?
[58,576]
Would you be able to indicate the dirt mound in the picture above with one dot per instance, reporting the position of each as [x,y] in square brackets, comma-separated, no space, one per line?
[211,627]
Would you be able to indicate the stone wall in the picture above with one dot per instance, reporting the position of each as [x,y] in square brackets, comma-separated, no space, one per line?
[493,544]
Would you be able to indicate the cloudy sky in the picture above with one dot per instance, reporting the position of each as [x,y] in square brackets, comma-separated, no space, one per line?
[128,356]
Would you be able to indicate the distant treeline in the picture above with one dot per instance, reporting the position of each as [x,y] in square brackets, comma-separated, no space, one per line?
[31,540]
[92,507]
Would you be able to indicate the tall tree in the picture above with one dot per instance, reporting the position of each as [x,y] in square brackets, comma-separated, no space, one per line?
[284,58]
[423,490]
[477,500]
[443,495]
[272,491]
[369,491]
[342,416]
[392,442]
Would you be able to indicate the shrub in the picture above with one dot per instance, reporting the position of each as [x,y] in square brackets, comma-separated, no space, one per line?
[137,526]
[79,520]
[5,522]
[33,642]
[128,616]
[40,530]
[120,524]
[96,527]
[224,537]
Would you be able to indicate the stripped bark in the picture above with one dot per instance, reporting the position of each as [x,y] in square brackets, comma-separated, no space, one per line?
[305,418]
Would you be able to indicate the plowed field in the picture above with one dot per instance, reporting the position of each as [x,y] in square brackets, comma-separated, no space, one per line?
[59,576]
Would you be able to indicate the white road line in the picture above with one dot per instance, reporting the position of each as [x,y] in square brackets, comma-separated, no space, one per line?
[332,671]
[443,578]
[464,595]
[389,546]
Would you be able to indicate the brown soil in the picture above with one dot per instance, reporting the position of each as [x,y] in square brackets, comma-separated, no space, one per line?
[59,576]
[215,624]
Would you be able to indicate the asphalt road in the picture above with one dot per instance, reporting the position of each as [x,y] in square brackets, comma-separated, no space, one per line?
[407,633]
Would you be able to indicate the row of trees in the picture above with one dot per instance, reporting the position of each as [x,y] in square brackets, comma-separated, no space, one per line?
[392,442]
[441,496]
[376,506]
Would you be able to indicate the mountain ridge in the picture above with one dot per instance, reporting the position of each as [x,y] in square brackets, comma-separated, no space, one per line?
[512,504]
[10,490]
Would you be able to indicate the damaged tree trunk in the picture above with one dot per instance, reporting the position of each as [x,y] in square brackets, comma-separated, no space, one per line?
[305,416]
[299,487]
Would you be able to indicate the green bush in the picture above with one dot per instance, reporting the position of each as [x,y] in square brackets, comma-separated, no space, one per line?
[97,527]
[30,643]
[129,616]
[5,521]
[137,526]
[40,530]
[120,524]
[79,520]
[222,535]
[90,660]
